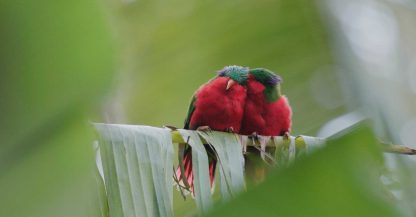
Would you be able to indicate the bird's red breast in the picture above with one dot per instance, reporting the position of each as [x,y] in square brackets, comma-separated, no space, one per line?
[264,118]
[218,108]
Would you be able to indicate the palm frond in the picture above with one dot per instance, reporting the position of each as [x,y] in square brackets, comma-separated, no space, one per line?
[137,162]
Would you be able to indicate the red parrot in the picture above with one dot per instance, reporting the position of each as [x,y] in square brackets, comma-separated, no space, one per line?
[266,113]
[216,105]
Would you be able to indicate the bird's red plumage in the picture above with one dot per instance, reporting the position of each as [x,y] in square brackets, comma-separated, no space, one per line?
[218,108]
[264,118]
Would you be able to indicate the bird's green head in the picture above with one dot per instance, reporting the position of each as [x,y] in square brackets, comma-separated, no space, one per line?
[270,80]
[237,73]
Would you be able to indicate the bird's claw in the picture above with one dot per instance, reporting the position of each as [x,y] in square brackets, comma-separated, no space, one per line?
[286,136]
[230,130]
[255,136]
[244,141]
[203,128]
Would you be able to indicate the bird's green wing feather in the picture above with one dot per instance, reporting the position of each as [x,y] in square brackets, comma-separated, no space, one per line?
[191,110]
[191,107]
[272,93]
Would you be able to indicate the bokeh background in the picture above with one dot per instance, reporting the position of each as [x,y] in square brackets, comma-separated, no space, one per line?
[169,49]
[63,65]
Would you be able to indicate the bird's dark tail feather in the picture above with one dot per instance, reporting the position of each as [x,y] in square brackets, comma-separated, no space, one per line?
[187,169]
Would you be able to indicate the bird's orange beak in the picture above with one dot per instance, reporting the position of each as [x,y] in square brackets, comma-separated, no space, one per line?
[230,83]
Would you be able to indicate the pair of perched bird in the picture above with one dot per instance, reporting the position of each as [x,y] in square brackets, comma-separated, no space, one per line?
[239,100]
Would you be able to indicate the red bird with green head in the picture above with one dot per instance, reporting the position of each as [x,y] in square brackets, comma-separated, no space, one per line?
[217,105]
[266,112]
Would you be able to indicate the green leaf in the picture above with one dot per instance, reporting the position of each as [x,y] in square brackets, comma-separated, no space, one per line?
[341,179]
[230,162]
[56,60]
[200,170]
[54,179]
[100,194]
[137,162]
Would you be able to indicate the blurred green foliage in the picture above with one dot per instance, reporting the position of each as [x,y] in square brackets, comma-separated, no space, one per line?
[56,60]
[340,180]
